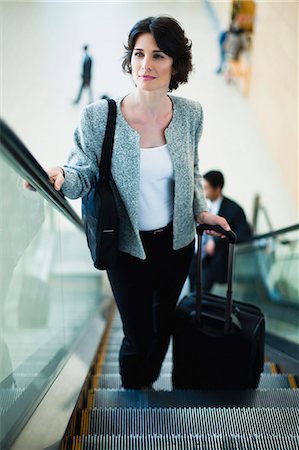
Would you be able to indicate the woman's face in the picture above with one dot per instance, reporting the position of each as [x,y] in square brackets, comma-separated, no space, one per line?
[151,68]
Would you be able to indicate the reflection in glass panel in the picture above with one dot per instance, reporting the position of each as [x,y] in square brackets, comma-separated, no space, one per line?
[266,273]
[49,292]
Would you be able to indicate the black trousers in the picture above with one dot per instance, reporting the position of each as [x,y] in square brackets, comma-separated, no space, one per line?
[146,293]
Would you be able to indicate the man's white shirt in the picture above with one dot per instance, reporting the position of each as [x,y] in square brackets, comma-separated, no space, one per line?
[215,205]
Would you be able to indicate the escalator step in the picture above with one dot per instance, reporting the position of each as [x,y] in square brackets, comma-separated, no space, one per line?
[276,381]
[117,334]
[115,340]
[112,357]
[113,368]
[271,367]
[93,442]
[114,347]
[111,398]
[112,381]
[110,378]
[116,328]
[194,421]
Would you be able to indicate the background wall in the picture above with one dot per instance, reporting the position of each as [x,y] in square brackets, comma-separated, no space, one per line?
[274,86]
[41,57]
[222,10]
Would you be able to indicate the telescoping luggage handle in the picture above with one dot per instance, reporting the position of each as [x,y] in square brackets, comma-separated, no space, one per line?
[231,236]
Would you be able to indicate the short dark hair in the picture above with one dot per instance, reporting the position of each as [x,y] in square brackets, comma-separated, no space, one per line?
[171,39]
[215,178]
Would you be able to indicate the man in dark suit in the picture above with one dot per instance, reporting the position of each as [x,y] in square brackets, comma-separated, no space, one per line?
[216,249]
[86,75]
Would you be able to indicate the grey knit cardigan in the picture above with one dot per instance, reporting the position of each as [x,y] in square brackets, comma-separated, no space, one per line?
[182,137]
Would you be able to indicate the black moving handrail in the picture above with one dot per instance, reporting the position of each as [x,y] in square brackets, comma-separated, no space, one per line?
[28,168]
[270,234]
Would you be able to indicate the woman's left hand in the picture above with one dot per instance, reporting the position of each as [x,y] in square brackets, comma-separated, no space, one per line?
[208,218]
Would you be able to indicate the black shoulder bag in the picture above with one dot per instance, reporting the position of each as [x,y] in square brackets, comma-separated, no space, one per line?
[99,211]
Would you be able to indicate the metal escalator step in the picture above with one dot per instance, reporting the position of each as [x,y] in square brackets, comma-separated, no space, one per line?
[116,322]
[269,367]
[113,368]
[194,421]
[279,398]
[113,357]
[116,326]
[220,442]
[274,381]
[116,340]
[114,344]
[117,334]
[164,383]
[112,347]
[113,381]
[109,381]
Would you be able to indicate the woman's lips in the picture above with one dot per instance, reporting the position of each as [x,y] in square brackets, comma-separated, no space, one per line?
[147,77]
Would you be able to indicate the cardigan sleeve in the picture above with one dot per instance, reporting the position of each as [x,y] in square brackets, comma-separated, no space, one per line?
[199,202]
[82,161]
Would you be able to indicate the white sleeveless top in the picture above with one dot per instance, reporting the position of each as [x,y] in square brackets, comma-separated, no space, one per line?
[156,197]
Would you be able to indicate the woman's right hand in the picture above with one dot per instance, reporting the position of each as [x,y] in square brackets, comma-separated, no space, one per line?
[56,178]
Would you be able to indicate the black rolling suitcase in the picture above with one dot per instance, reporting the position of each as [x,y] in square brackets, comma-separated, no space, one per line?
[217,343]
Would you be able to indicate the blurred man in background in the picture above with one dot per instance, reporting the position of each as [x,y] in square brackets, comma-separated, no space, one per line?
[215,249]
[86,76]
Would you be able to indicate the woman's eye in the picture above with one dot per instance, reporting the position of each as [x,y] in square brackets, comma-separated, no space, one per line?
[156,55]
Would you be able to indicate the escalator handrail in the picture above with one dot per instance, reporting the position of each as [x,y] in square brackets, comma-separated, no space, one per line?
[29,168]
[270,234]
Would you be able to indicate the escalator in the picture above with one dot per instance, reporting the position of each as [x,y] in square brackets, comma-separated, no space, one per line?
[114,418]
[53,303]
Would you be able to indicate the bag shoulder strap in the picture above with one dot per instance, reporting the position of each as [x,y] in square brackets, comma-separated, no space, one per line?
[107,147]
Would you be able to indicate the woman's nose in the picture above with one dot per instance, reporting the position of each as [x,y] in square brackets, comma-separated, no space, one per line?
[146,65]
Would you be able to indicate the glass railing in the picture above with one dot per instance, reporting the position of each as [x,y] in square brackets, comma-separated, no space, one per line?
[267,274]
[49,291]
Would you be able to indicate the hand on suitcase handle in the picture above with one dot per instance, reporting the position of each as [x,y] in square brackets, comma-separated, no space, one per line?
[232,237]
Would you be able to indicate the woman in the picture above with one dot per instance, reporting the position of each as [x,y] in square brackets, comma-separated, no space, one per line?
[155,168]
